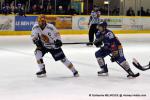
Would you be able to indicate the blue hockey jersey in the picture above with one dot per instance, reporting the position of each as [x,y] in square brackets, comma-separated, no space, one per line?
[110,41]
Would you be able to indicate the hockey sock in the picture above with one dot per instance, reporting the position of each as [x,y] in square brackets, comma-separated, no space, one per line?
[101,63]
[126,67]
[68,64]
[41,64]
[38,55]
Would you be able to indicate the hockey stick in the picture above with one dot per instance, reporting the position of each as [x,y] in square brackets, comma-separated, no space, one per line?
[117,62]
[71,43]
[78,43]
[135,75]
[139,66]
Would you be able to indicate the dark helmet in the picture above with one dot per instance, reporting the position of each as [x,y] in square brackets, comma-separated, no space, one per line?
[103,24]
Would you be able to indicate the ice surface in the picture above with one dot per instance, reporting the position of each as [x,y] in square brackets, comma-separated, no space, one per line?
[18,68]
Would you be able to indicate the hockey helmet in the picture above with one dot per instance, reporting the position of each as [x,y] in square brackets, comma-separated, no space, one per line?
[103,24]
[42,19]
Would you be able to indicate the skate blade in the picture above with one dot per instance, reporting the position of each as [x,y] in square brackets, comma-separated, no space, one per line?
[103,74]
[132,77]
[41,76]
[77,75]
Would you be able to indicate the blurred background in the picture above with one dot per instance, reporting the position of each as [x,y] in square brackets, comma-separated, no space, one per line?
[123,16]
[78,7]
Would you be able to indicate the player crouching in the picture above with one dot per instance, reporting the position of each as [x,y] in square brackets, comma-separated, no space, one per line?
[47,39]
[110,46]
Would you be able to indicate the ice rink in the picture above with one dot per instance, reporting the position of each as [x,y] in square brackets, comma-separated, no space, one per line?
[18,67]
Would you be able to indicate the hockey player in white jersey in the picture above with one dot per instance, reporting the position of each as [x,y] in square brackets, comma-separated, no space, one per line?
[47,39]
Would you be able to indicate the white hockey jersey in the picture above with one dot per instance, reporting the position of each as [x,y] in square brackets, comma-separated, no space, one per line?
[48,35]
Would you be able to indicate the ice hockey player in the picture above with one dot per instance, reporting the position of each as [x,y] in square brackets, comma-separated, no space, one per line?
[110,45]
[47,39]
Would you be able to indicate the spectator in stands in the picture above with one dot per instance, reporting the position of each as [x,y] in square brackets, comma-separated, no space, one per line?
[102,10]
[60,10]
[41,10]
[49,10]
[148,12]
[6,9]
[45,5]
[116,11]
[105,12]
[0,7]
[130,12]
[12,6]
[0,3]
[34,9]
[20,10]
[141,12]
[71,11]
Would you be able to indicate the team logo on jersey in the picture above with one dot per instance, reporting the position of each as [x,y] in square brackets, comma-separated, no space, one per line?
[45,38]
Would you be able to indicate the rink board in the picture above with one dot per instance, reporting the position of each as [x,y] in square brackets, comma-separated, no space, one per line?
[76,32]
[18,25]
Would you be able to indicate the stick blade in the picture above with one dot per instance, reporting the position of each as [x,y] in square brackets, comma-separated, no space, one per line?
[137,65]
[133,76]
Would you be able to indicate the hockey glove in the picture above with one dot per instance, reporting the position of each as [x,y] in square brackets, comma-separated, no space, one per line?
[115,55]
[115,52]
[38,43]
[58,43]
[98,43]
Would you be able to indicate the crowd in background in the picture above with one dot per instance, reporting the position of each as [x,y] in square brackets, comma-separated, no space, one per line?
[47,7]
[10,9]
[141,12]
[114,12]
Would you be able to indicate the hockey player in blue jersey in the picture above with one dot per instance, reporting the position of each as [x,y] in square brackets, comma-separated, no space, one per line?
[110,46]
